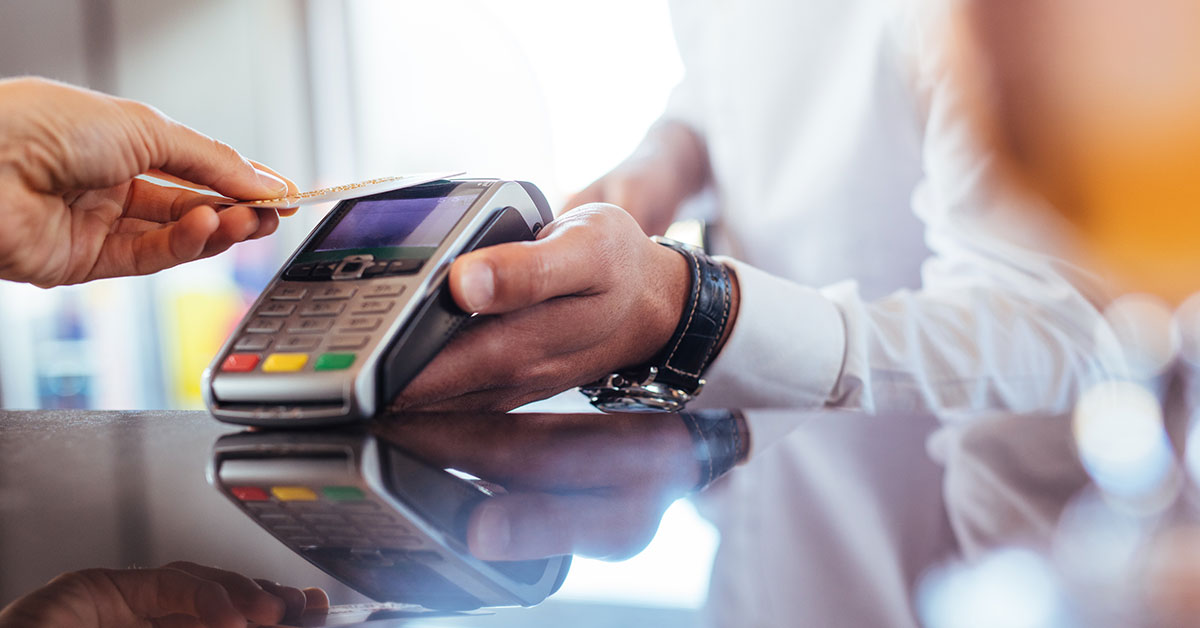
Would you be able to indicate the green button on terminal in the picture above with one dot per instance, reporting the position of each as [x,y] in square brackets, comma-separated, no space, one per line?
[334,361]
[342,493]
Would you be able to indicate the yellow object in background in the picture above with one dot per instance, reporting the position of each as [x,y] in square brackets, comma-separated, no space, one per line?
[1096,107]
[199,323]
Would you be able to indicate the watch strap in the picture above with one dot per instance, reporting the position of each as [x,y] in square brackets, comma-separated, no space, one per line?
[693,345]
[720,441]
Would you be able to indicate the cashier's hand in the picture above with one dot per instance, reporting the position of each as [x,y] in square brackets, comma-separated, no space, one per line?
[72,211]
[175,596]
[590,296]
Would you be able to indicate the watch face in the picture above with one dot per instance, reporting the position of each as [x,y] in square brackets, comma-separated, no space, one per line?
[626,400]
[676,244]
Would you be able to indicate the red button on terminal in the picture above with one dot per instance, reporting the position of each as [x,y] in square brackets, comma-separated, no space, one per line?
[240,362]
[250,493]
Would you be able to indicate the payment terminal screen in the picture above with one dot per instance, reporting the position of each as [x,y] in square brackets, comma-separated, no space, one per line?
[410,225]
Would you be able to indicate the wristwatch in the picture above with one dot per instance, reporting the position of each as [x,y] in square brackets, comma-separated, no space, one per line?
[673,377]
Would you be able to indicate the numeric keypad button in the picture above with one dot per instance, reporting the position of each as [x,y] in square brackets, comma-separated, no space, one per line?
[288,293]
[333,293]
[298,343]
[361,323]
[277,308]
[322,308]
[310,326]
[351,342]
[373,306]
[264,326]
[253,343]
[383,289]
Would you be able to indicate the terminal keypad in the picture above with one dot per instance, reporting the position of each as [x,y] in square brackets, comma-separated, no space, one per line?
[327,517]
[316,327]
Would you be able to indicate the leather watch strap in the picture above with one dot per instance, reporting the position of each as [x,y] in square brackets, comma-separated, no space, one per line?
[720,440]
[694,344]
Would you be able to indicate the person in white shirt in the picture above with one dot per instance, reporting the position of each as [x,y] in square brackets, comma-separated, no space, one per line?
[880,268]
[1002,319]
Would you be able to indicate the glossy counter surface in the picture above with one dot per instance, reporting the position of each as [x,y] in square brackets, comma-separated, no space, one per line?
[116,489]
[835,519]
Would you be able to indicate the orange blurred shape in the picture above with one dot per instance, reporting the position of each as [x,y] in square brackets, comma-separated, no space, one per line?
[1096,105]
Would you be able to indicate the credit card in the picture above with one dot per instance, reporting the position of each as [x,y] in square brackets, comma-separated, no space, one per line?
[358,614]
[343,192]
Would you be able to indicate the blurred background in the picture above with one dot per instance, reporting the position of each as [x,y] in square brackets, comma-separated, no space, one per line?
[329,92]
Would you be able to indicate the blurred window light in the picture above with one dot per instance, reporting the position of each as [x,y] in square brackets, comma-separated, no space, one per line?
[673,570]
[1097,548]
[1119,432]
[1146,329]
[1192,452]
[552,92]
[1010,588]
[1187,321]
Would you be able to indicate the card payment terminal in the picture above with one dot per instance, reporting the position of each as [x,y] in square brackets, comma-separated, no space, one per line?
[364,304]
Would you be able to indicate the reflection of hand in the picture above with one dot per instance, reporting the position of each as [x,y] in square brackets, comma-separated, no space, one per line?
[588,484]
[179,594]
[669,166]
[590,296]
[71,208]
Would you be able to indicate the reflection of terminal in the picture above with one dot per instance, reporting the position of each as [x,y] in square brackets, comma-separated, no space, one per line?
[371,515]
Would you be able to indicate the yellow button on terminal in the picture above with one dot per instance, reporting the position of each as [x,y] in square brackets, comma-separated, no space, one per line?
[284,362]
[294,493]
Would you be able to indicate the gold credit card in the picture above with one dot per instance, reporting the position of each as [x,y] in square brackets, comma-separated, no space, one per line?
[343,192]
[359,614]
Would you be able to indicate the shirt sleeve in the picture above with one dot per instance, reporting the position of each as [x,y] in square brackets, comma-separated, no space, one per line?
[1004,320]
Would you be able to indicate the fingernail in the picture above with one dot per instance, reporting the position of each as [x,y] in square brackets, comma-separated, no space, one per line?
[272,182]
[478,285]
[493,533]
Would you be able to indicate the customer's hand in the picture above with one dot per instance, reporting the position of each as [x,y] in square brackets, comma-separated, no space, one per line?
[177,595]
[590,296]
[72,211]
[589,484]
[670,165]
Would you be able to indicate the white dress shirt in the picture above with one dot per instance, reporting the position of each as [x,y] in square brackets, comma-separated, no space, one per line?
[842,157]
[881,268]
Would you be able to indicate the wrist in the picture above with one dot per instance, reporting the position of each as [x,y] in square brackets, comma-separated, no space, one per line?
[669,299]
[673,376]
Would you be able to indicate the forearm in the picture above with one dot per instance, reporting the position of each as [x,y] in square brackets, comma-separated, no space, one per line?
[668,167]
[677,151]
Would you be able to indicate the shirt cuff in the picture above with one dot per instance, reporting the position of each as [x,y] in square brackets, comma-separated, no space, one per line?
[785,350]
